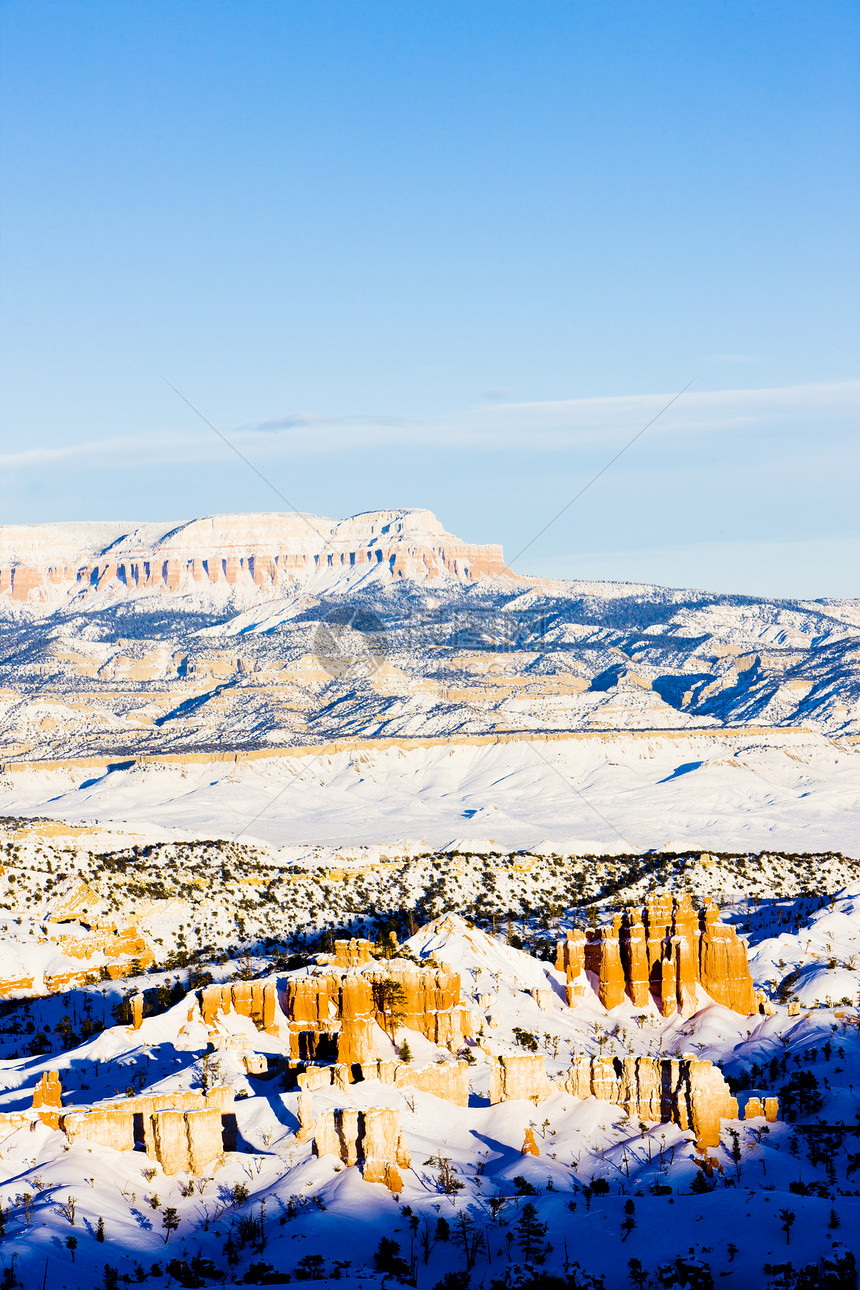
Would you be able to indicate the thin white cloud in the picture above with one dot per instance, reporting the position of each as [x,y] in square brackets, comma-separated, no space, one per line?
[562,425]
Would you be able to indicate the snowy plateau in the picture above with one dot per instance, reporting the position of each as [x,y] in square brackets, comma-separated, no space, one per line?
[374,914]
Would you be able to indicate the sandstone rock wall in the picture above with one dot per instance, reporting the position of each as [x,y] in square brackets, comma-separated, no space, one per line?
[518,1075]
[690,1093]
[342,1003]
[352,953]
[106,1126]
[179,1129]
[125,950]
[255,999]
[448,1080]
[372,1139]
[663,951]
[187,1141]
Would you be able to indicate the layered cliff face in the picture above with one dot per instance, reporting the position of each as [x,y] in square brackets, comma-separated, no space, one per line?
[371,1139]
[663,951]
[657,1090]
[692,1094]
[343,1008]
[226,558]
[349,1006]
[183,1131]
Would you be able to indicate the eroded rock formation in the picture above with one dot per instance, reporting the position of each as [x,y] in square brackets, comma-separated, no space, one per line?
[448,1080]
[44,563]
[182,1131]
[188,1141]
[345,1005]
[766,1108]
[690,1093]
[371,1139]
[518,1075]
[124,950]
[48,1099]
[352,953]
[663,951]
[255,999]
[529,1147]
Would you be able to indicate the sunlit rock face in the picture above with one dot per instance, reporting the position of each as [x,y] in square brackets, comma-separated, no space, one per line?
[242,558]
[371,1139]
[663,951]
[692,1094]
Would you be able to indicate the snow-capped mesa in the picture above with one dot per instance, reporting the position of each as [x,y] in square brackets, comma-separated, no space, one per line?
[226,559]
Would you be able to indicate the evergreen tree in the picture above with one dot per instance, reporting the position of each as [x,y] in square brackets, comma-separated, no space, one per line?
[530,1234]
[629,1221]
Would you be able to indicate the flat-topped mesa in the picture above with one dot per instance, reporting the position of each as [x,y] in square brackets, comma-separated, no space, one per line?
[371,1139]
[253,556]
[663,951]
[658,1090]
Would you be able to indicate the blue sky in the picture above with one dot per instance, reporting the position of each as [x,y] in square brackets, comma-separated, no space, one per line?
[450,255]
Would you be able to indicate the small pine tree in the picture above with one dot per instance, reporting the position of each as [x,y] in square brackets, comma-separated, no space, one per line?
[629,1221]
[638,1275]
[530,1234]
[72,1245]
[100,1230]
[170,1222]
[834,1220]
[405,1052]
[787,1217]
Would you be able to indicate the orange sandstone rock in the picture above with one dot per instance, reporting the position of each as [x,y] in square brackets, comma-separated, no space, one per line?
[529,1147]
[136,1001]
[371,1139]
[692,1094]
[664,952]
[352,953]
[48,1099]
[515,1076]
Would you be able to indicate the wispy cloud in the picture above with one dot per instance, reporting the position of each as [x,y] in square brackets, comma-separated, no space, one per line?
[782,414]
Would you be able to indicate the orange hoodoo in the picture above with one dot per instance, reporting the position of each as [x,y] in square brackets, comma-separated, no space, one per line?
[662,951]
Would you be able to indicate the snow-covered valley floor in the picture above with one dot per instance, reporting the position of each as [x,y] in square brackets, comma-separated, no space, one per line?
[785,790]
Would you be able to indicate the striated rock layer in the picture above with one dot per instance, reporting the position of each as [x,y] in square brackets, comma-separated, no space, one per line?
[371,1139]
[346,1006]
[249,556]
[182,1131]
[659,1090]
[663,951]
